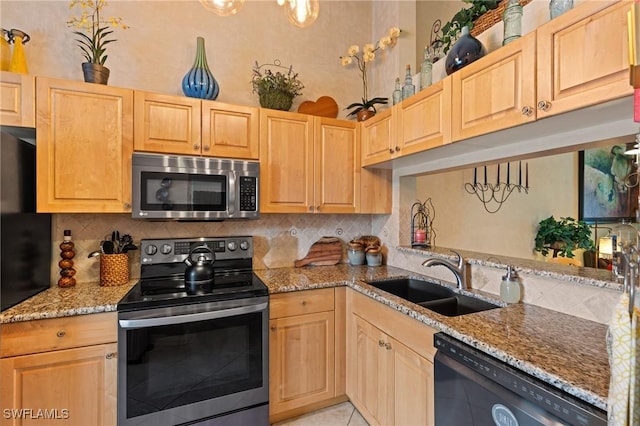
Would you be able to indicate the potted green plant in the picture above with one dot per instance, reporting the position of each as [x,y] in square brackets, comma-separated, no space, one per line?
[93,31]
[464,18]
[563,236]
[276,90]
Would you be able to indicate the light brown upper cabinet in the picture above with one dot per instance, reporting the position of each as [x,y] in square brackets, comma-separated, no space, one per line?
[496,91]
[17,99]
[84,147]
[418,123]
[312,164]
[182,125]
[583,57]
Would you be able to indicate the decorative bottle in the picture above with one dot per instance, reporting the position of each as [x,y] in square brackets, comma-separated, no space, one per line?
[558,7]
[510,291]
[397,93]
[408,89]
[425,69]
[512,19]
[198,82]
[66,263]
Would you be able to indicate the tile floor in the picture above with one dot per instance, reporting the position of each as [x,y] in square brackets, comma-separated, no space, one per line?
[343,414]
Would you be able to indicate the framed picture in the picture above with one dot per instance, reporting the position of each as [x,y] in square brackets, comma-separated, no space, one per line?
[608,184]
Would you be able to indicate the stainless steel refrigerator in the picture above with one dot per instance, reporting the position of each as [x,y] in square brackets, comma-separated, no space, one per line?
[25,236]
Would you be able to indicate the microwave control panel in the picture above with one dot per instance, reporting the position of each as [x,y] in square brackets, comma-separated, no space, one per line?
[248,194]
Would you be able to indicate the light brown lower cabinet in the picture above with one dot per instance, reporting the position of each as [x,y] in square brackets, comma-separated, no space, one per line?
[59,371]
[389,364]
[306,351]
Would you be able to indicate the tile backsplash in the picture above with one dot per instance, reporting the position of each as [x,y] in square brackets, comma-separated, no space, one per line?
[279,239]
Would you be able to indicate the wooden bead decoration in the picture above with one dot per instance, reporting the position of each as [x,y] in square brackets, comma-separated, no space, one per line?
[66,264]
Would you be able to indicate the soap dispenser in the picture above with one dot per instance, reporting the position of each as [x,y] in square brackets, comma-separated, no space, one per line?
[510,287]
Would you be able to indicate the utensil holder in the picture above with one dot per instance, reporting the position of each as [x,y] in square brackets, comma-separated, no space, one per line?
[114,269]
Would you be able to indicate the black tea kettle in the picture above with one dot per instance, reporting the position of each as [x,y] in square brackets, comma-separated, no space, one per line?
[199,266]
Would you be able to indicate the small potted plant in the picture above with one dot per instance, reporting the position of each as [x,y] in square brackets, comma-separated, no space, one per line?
[276,90]
[93,31]
[563,236]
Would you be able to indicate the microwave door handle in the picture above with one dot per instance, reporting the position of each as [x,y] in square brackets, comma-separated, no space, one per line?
[181,319]
[231,205]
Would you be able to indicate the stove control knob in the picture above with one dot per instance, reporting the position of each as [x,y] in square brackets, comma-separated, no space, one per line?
[244,245]
[151,250]
[232,245]
[166,248]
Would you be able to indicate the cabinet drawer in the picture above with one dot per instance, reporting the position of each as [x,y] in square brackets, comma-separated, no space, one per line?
[301,302]
[45,335]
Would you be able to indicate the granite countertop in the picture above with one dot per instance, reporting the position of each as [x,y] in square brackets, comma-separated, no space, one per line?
[565,351]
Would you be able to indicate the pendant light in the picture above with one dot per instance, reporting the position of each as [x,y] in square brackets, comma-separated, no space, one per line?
[301,13]
[222,7]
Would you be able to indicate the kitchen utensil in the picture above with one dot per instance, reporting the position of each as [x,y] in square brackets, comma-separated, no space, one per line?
[200,272]
[107,247]
[94,254]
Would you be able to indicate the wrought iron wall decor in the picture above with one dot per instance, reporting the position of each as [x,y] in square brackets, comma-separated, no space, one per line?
[422,216]
[493,195]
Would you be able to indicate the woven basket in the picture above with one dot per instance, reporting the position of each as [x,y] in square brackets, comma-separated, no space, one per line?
[276,100]
[491,18]
[114,269]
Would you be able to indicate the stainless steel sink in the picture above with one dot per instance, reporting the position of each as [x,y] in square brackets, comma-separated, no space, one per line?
[434,297]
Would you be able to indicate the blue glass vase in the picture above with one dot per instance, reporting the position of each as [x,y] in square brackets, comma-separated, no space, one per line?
[198,82]
[465,51]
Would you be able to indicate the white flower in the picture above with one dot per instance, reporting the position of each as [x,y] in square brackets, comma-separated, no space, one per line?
[368,56]
[394,32]
[353,50]
[346,60]
[384,42]
[368,48]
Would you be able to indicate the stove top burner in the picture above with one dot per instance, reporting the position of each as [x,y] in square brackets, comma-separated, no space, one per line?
[162,274]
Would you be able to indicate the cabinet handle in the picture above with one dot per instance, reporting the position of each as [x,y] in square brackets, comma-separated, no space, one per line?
[387,346]
[127,206]
[61,333]
[544,105]
[206,147]
[304,303]
[397,148]
[310,208]
[111,355]
[381,343]
[390,150]
[527,110]
[274,328]
[196,147]
[318,208]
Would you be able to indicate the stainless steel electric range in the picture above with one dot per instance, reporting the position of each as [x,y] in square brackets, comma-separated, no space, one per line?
[193,336]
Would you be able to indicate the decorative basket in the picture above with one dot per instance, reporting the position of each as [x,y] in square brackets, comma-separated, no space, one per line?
[492,17]
[276,100]
[114,269]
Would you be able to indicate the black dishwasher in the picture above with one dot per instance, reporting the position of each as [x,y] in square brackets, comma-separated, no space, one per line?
[475,389]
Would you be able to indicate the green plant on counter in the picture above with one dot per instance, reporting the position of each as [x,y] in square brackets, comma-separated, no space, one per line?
[563,236]
[464,18]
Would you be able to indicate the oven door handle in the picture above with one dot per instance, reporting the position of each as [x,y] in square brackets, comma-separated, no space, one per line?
[181,319]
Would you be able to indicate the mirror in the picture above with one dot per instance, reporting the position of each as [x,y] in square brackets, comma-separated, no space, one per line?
[463,222]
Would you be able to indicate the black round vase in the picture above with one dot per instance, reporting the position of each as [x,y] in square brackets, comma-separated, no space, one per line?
[466,50]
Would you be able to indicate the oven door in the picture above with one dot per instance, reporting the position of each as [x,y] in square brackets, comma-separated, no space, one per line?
[192,362]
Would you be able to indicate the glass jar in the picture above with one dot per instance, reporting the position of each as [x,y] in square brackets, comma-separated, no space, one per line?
[355,255]
[510,290]
[426,69]
[408,89]
[397,93]
[558,7]
[512,19]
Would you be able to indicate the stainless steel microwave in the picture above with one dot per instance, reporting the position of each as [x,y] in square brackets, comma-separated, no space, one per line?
[180,187]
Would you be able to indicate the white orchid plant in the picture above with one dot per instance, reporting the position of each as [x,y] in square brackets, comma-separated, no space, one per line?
[361,57]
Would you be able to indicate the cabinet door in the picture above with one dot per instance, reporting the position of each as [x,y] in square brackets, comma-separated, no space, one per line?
[370,362]
[424,120]
[286,162]
[378,137]
[302,360]
[495,92]
[230,131]
[17,100]
[336,164]
[84,147]
[413,387]
[167,124]
[583,57]
[77,386]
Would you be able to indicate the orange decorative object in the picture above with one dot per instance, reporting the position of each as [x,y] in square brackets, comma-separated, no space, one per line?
[324,106]
[66,264]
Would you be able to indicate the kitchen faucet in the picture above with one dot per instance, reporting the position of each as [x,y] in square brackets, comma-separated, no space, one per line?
[459,269]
